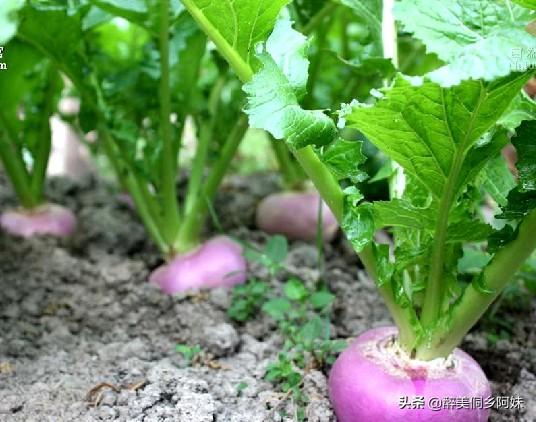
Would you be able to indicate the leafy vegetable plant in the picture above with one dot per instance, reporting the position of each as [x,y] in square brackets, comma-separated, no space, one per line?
[444,134]
[30,89]
[146,81]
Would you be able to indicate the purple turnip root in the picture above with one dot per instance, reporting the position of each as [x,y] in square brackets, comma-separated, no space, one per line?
[48,219]
[374,380]
[295,215]
[217,263]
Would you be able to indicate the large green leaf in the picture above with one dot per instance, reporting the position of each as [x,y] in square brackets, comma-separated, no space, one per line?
[242,24]
[343,158]
[477,39]
[358,224]
[21,77]
[431,131]
[522,108]
[400,213]
[274,91]
[58,35]
[497,180]
[8,19]
[522,199]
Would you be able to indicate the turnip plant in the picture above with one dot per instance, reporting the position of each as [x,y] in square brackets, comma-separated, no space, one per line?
[444,133]
[143,71]
[29,94]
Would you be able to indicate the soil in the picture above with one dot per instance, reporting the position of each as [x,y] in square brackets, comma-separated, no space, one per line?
[80,325]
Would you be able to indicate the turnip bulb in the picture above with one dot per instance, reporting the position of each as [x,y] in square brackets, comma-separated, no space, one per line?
[295,215]
[374,380]
[219,262]
[49,219]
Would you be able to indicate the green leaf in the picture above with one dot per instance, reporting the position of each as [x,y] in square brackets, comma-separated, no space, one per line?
[22,76]
[58,35]
[522,200]
[353,195]
[436,129]
[358,224]
[481,154]
[188,352]
[473,260]
[8,19]
[479,283]
[522,108]
[497,180]
[295,290]
[321,299]
[477,39]
[315,329]
[384,267]
[343,158]
[525,143]
[401,213]
[468,231]
[134,10]
[385,172]
[520,203]
[187,47]
[370,11]
[366,66]
[531,4]
[242,24]
[273,93]
[277,308]
[273,254]
[276,249]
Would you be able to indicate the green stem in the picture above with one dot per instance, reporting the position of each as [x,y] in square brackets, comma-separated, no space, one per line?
[332,194]
[14,165]
[189,233]
[135,189]
[145,203]
[318,19]
[474,302]
[345,46]
[240,66]
[315,67]
[42,156]
[434,293]
[405,317]
[325,183]
[206,133]
[198,166]
[292,176]
[170,206]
